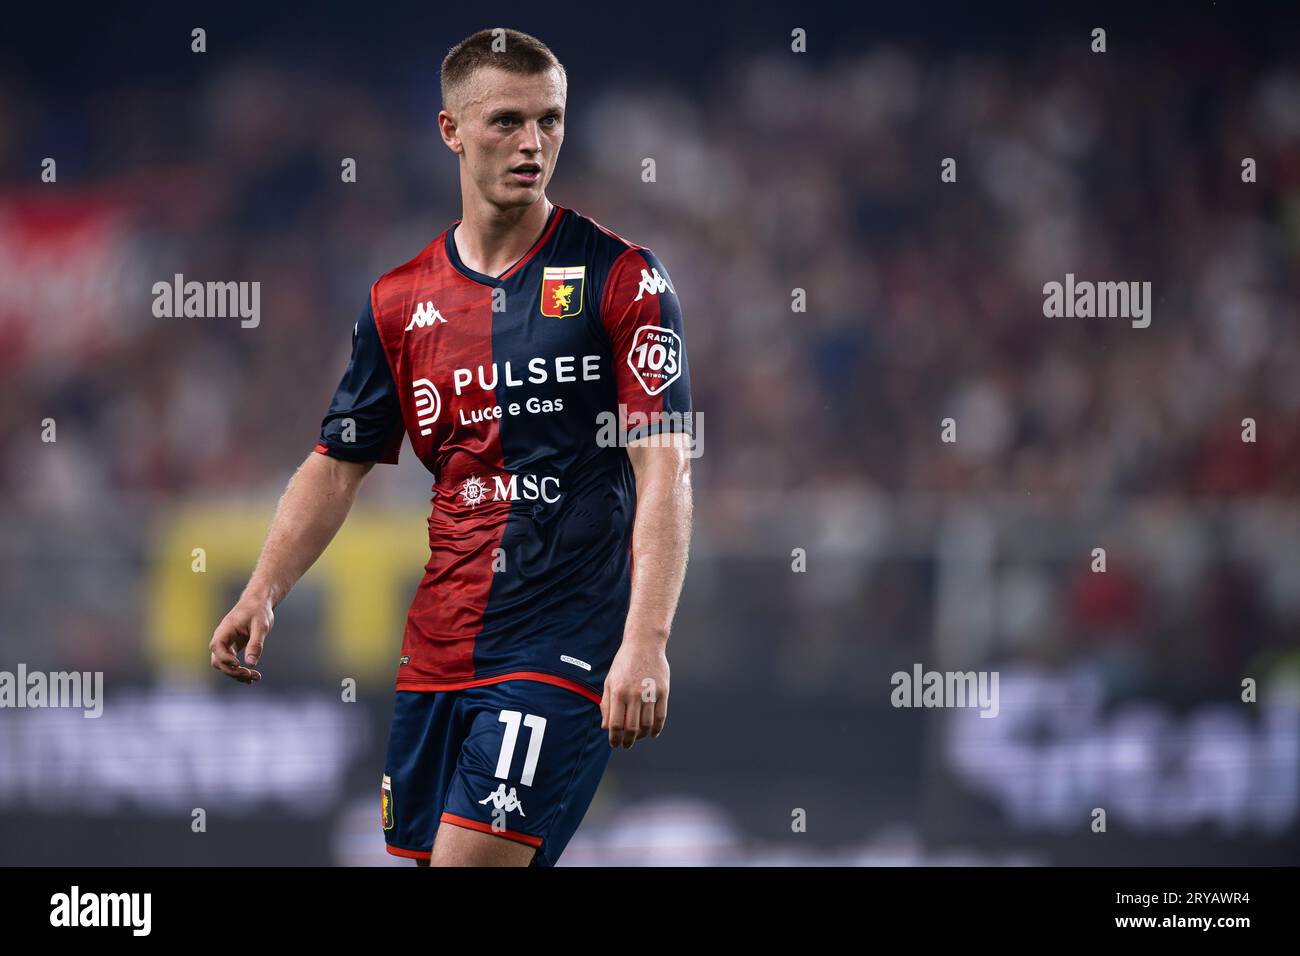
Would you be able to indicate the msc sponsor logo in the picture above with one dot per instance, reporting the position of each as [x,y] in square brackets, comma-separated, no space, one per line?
[474,490]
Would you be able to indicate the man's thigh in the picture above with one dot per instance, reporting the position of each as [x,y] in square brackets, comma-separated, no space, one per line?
[531,759]
[460,846]
[424,743]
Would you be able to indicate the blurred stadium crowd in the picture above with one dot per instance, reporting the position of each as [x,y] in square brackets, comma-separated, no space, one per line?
[822,428]
[924,298]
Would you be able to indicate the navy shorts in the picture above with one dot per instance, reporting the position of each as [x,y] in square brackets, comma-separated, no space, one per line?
[520,759]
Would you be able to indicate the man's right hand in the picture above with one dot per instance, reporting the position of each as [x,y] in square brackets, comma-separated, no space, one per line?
[310,512]
[243,629]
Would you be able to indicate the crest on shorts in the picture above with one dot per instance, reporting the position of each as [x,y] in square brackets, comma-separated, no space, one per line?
[387,811]
[562,291]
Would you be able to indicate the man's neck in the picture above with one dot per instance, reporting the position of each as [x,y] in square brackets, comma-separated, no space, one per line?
[490,240]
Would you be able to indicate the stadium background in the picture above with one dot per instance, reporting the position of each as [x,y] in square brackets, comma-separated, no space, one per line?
[775,171]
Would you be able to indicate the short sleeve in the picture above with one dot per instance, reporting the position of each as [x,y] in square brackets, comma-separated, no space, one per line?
[643,320]
[364,422]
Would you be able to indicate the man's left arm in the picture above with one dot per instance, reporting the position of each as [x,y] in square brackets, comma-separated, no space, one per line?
[635,702]
[643,319]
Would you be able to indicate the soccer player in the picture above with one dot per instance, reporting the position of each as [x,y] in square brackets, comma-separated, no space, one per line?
[536,361]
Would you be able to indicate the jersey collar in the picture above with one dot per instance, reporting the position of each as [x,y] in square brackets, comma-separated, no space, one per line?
[552,221]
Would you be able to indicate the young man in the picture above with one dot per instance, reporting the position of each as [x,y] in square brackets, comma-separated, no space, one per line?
[536,639]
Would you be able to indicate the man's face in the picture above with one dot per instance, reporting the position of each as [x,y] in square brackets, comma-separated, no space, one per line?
[509,129]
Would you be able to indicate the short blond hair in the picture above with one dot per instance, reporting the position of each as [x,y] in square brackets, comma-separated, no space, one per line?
[523,54]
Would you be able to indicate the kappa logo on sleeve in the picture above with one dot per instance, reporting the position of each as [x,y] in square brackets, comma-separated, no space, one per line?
[655,357]
[653,283]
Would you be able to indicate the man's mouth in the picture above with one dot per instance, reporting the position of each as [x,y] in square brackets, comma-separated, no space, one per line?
[527,173]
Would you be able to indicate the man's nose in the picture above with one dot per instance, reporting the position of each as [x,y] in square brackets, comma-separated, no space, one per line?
[532,138]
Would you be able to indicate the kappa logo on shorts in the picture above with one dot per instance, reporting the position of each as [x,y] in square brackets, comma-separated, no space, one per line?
[386,813]
[505,801]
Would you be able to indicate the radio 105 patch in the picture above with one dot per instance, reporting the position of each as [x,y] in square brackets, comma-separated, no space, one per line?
[655,357]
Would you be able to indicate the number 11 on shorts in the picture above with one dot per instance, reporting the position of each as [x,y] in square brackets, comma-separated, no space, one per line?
[536,727]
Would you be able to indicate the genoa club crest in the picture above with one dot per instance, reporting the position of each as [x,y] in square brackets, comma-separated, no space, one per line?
[562,291]
[388,802]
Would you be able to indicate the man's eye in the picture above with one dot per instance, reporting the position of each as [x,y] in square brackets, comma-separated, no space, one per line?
[505,120]
[550,120]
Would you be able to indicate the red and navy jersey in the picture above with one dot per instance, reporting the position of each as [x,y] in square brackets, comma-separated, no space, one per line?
[518,393]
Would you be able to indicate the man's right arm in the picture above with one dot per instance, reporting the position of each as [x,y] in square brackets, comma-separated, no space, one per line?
[311,511]
[363,426]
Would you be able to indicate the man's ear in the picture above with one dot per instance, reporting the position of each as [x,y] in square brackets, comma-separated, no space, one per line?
[450,132]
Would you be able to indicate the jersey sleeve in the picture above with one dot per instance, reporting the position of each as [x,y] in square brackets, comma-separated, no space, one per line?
[643,320]
[364,421]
